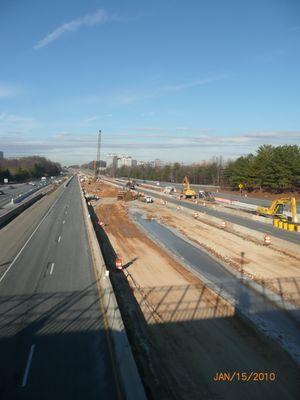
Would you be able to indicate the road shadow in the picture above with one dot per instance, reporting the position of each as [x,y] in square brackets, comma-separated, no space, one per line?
[71,359]
[125,266]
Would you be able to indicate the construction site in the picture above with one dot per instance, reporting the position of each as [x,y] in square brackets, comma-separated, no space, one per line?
[150,200]
[204,286]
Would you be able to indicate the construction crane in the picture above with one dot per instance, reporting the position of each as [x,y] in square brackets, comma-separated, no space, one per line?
[186,190]
[277,207]
[97,161]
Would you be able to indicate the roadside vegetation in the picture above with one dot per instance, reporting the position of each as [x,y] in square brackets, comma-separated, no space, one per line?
[25,168]
[272,168]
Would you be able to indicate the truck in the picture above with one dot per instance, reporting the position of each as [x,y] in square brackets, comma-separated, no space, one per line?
[169,189]
[206,195]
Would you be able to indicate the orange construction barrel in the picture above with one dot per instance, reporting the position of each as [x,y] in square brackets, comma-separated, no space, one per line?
[119,263]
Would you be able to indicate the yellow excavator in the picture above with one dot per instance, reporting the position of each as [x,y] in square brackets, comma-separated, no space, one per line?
[186,189]
[277,207]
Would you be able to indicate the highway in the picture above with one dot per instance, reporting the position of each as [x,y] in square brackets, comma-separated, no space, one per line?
[53,341]
[14,192]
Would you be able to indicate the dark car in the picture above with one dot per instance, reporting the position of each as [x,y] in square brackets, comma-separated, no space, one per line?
[1,192]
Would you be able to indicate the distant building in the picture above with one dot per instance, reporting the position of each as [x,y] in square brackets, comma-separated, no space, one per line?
[1,155]
[111,160]
[158,162]
[126,161]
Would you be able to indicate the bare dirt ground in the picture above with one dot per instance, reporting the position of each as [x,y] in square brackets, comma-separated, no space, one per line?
[276,270]
[191,333]
[229,209]
[262,195]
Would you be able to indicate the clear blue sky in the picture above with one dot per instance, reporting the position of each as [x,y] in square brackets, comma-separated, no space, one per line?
[176,80]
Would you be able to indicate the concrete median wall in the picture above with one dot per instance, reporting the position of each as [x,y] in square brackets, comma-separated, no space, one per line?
[125,364]
[12,213]
[25,195]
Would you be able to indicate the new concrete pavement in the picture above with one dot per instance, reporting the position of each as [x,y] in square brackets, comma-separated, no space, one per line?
[53,342]
[278,324]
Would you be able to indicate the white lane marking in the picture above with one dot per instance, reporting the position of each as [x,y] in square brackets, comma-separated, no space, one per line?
[64,221]
[51,269]
[30,237]
[59,238]
[25,377]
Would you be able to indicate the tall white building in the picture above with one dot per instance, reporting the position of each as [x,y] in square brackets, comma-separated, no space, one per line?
[126,161]
[158,163]
[111,160]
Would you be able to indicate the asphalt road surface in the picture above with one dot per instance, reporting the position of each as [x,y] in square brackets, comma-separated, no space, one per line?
[53,342]
[14,192]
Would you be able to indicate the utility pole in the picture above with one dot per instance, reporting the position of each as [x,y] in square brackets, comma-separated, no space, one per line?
[97,161]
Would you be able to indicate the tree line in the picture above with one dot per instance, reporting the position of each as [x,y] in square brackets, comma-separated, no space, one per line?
[271,168]
[25,168]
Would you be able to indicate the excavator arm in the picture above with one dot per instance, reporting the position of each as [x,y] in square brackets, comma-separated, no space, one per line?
[277,207]
[186,183]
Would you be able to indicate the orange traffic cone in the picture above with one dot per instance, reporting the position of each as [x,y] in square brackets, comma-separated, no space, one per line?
[119,263]
[223,224]
[267,240]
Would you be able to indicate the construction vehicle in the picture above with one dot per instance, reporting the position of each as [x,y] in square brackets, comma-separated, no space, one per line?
[126,195]
[276,209]
[130,184]
[147,199]
[186,189]
[169,189]
[205,195]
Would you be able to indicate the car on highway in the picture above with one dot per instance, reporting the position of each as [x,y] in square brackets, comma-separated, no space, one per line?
[1,192]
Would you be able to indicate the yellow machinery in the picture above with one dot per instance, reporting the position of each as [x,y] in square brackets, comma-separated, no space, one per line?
[186,190]
[277,207]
